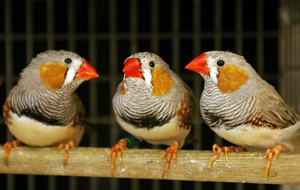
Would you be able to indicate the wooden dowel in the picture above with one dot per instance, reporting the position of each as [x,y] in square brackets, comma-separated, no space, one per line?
[244,167]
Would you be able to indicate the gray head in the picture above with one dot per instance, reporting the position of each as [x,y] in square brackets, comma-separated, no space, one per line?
[55,69]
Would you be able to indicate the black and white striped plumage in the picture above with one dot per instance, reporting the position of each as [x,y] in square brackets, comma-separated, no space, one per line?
[242,108]
[153,104]
[150,117]
[42,109]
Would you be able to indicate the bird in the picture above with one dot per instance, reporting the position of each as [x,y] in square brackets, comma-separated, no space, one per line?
[242,108]
[153,104]
[42,109]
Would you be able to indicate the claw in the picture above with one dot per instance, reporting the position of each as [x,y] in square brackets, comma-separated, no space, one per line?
[117,149]
[269,154]
[171,152]
[224,149]
[8,146]
[67,147]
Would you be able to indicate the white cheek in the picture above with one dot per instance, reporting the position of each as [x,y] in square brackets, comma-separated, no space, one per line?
[148,78]
[72,72]
[214,74]
[70,76]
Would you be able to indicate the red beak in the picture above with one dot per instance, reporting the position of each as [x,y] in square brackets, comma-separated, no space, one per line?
[86,71]
[132,68]
[198,65]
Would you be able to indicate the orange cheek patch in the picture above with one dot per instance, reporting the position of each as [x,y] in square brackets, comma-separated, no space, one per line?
[161,81]
[231,78]
[123,91]
[53,75]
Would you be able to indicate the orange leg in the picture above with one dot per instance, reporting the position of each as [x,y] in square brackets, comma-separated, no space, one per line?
[172,150]
[224,149]
[269,154]
[117,149]
[67,147]
[8,146]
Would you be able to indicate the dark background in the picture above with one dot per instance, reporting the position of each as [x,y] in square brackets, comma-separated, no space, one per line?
[107,32]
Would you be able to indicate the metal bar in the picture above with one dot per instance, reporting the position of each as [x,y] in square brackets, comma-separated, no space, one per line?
[217,46]
[239,45]
[72,47]
[10,185]
[134,49]
[50,45]
[260,38]
[154,27]
[260,47]
[113,55]
[176,53]
[175,36]
[197,81]
[133,26]
[238,25]
[29,55]
[50,25]
[155,49]
[281,50]
[93,90]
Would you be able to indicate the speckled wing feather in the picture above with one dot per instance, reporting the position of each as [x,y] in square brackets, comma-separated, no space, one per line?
[189,100]
[274,110]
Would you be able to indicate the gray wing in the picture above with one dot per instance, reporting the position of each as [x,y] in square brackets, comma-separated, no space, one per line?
[274,110]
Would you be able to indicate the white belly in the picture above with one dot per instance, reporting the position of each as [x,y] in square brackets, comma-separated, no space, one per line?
[261,138]
[34,133]
[166,134]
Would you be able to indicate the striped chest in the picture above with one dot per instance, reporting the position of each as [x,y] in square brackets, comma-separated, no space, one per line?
[218,108]
[139,107]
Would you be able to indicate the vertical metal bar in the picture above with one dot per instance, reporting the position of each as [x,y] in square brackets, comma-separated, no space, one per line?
[134,49]
[50,45]
[72,47]
[217,46]
[297,41]
[238,26]
[282,53]
[29,55]
[217,41]
[197,84]
[176,53]
[93,100]
[239,45]
[9,72]
[293,66]
[175,36]
[155,49]
[133,26]
[260,49]
[260,38]
[113,55]
[71,25]
[154,28]
[50,24]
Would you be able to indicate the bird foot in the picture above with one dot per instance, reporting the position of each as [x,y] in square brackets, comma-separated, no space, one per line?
[269,154]
[8,146]
[67,147]
[224,149]
[117,149]
[172,150]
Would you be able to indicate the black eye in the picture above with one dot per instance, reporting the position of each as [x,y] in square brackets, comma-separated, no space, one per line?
[68,60]
[220,63]
[151,64]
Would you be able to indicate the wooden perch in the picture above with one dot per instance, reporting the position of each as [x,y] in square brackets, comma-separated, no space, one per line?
[245,167]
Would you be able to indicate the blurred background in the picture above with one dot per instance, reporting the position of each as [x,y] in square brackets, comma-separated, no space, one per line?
[106,32]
